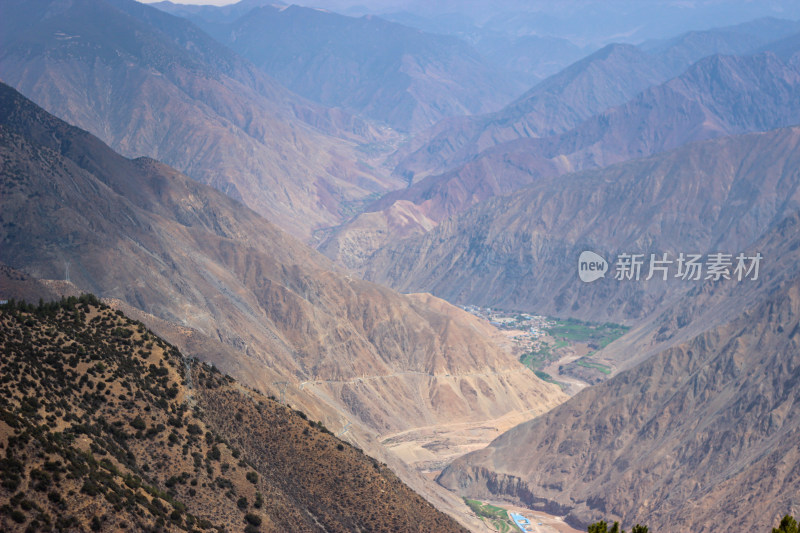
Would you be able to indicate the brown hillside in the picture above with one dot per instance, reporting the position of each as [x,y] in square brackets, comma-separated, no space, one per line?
[151,84]
[352,352]
[717,96]
[701,436]
[107,427]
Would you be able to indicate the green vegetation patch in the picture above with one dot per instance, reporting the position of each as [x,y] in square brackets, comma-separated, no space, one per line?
[497,516]
[597,335]
[544,376]
[585,362]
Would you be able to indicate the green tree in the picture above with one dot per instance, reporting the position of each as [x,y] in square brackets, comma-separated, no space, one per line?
[138,423]
[788,525]
[252,519]
[598,527]
[603,527]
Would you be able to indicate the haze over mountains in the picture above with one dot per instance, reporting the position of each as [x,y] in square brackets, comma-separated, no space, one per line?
[607,78]
[581,21]
[379,69]
[718,95]
[152,84]
[421,153]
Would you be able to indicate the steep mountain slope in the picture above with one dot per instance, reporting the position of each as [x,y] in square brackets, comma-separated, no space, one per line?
[151,84]
[149,236]
[700,437]
[719,95]
[521,251]
[531,57]
[107,427]
[716,95]
[741,39]
[383,70]
[607,78]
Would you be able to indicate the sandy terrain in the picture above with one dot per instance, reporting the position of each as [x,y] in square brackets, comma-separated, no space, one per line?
[429,449]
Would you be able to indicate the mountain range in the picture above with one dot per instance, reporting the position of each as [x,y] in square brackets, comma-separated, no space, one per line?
[700,436]
[609,77]
[717,96]
[214,148]
[520,251]
[151,84]
[694,428]
[378,69]
[583,22]
[255,301]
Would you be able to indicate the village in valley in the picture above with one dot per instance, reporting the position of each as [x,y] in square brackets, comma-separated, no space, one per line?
[530,328]
[558,350]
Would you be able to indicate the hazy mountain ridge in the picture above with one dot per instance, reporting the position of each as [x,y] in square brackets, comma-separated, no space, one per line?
[604,79]
[579,20]
[532,57]
[601,80]
[719,95]
[388,72]
[152,84]
[740,39]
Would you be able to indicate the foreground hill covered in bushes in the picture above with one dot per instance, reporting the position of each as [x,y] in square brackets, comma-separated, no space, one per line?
[104,426]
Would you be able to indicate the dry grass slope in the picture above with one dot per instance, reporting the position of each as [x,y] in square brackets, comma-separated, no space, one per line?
[105,426]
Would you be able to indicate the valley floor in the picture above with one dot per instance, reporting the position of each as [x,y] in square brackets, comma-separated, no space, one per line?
[549,523]
[429,449]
